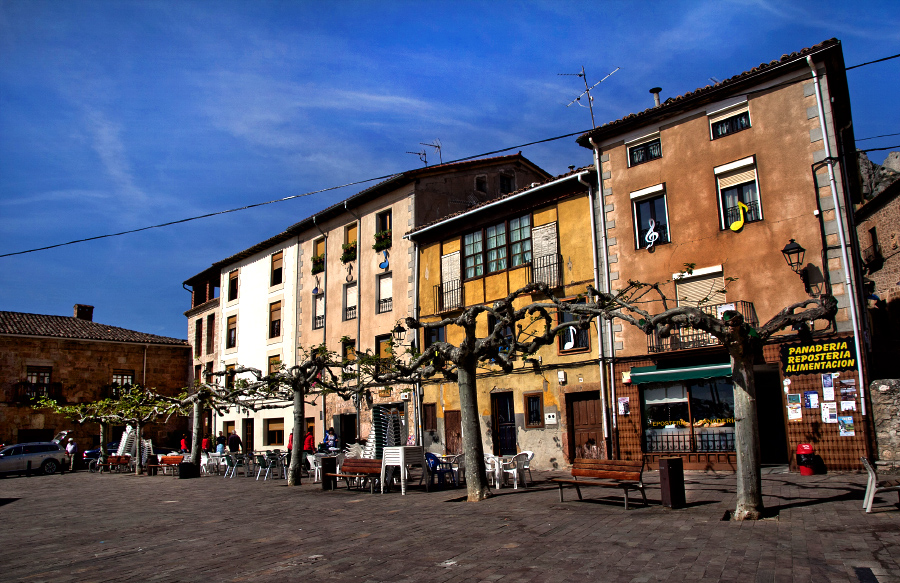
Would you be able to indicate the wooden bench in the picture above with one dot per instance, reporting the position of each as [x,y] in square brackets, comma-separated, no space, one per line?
[359,469]
[168,461]
[622,474]
[117,462]
[874,485]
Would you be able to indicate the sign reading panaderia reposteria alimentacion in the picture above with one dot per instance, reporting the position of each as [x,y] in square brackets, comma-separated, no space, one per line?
[818,356]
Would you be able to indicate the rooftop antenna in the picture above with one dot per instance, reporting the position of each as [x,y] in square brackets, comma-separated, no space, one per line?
[587,91]
[423,156]
[436,144]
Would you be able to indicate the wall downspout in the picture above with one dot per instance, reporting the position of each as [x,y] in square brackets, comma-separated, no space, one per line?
[603,403]
[420,435]
[851,291]
[604,250]
[296,342]
[358,305]
[325,310]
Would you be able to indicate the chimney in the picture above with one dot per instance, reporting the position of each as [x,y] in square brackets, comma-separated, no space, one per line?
[84,312]
[655,91]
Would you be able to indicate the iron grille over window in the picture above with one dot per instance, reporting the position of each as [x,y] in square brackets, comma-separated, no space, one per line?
[733,213]
[645,152]
[547,269]
[731,125]
[448,295]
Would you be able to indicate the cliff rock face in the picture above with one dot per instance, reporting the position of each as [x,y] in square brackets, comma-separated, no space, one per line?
[885,396]
[875,178]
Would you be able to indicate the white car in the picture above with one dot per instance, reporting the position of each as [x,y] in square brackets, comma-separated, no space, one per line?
[46,457]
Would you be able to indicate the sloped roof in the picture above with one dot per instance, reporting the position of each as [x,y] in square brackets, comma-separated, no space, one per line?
[21,324]
[709,93]
[493,201]
[360,198]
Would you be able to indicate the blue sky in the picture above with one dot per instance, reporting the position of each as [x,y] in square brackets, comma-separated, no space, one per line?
[118,115]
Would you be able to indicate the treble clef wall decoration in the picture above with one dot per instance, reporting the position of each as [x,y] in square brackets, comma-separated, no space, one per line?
[651,235]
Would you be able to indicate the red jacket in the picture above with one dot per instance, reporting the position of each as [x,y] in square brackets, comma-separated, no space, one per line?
[291,441]
[309,444]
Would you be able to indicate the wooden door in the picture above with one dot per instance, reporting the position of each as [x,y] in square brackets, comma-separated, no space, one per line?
[247,440]
[453,432]
[587,425]
[504,424]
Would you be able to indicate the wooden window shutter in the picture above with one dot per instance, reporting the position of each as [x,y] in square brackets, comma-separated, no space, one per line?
[691,290]
[719,116]
[739,176]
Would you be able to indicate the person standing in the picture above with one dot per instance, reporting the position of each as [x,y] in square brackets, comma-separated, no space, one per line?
[184,444]
[204,445]
[221,442]
[72,453]
[290,446]
[234,442]
[309,447]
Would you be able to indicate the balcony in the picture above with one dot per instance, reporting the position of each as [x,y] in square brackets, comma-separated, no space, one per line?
[688,338]
[26,392]
[448,296]
[872,257]
[733,214]
[318,322]
[547,269]
[385,305]
[350,313]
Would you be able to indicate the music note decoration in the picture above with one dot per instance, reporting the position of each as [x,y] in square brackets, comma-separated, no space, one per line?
[739,224]
[315,290]
[384,264]
[651,236]
[349,272]
[570,343]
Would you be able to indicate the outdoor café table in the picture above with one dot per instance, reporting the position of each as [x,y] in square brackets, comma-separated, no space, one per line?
[403,457]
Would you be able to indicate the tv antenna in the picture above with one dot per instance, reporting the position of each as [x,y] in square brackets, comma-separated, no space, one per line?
[587,91]
[423,156]
[436,144]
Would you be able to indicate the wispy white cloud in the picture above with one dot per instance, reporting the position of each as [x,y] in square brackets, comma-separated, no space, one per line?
[108,145]
[838,20]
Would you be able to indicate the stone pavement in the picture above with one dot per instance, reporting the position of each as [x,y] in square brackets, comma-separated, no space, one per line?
[88,527]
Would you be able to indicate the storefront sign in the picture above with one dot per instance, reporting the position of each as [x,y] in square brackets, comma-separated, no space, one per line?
[818,356]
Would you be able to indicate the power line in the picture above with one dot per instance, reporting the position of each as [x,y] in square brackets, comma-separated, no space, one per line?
[879,149]
[873,137]
[871,62]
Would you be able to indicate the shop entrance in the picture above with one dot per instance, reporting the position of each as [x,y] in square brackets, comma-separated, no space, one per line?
[504,424]
[770,414]
[345,428]
[586,431]
[453,432]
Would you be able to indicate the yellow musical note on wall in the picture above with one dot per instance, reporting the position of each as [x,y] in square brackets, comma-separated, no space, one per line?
[739,224]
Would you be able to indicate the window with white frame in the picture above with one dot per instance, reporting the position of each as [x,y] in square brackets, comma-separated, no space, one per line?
[385,293]
[738,191]
[350,301]
[318,311]
[730,120]
[644,149]
[704,286]
[651,219]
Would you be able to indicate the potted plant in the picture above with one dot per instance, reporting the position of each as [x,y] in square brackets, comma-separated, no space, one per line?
[349,252]
[383,240]
[318,264]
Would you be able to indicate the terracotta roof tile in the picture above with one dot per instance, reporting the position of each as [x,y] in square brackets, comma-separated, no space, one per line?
[21,324]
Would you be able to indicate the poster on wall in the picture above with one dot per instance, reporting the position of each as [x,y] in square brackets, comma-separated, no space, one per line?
[794,398]
[827,387]
[795,413]
[848,390]
[848,405]
[829,412]
[811,399]
[624,406]
[845,424]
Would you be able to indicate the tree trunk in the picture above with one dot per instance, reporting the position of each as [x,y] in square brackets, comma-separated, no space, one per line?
[139,462]
[476,476]
[103,437]
[197,435]
[746,438]
[297,454]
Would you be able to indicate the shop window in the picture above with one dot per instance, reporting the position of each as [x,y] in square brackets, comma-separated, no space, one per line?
[429,416]
[233,286]
[689,416]
[274,431]
[228,427]
[534,410]
[276,271]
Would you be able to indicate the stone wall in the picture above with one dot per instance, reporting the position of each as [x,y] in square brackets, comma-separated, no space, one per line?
[885,395]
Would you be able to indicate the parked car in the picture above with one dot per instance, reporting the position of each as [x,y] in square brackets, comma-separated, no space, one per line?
[113,446]
[46,457]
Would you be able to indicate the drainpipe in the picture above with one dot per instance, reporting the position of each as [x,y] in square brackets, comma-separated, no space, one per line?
[420,435]
[603,402]
[324,302]
[358,305]
[604,249]
[296,342]
[840,224]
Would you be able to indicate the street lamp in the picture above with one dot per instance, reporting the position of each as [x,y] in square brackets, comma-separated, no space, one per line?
[399,333]
[793,254]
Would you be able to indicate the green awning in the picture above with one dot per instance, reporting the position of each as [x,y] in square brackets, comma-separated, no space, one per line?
[649,374]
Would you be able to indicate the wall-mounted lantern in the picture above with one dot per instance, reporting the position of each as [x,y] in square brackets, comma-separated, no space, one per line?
[793,253]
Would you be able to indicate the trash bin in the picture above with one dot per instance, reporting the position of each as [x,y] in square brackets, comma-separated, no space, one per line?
[188,470]
[329,466]
[671,482]
[805,459]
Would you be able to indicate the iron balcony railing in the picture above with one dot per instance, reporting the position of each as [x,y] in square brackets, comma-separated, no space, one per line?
[448,295]
[350,313]
[547,269]
[26,391]
[318,322]
[687,338]
[385,305]
[733,213]
[871,254]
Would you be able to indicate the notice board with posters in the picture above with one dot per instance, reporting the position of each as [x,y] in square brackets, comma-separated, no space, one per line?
[818,356]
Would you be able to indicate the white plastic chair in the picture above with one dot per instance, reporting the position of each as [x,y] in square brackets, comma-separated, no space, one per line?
[458,463]
[530,457]
[515,467]
[314,467]
[492,468]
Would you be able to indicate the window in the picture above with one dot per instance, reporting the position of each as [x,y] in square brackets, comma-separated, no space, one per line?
[38,376]
[651,222]
[274,431]
[572,339]
[350,232]
[277,259]
[198,338]
[481,183]
[432,335]
[274,319]
[198,370]
[502,251]
[229,380]
[350,301]
[210,333]
[534,410]
[318,258]
[124,378]
[385,293]
[233,285]
[207,377]
[231,332]
[383,221]
[385,353]
[507,184]
[274,363]
[705,286]
[729,121]
[429,416]
[644,152]
[506,334]
[738,194]
[318,311]
[693,415]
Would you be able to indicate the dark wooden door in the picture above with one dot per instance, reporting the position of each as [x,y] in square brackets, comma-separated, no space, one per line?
[587,425]
[247,440]
[773,447]
[504,422]
[453,432]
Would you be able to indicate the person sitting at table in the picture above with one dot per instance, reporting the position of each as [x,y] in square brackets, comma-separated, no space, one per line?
[330,439]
